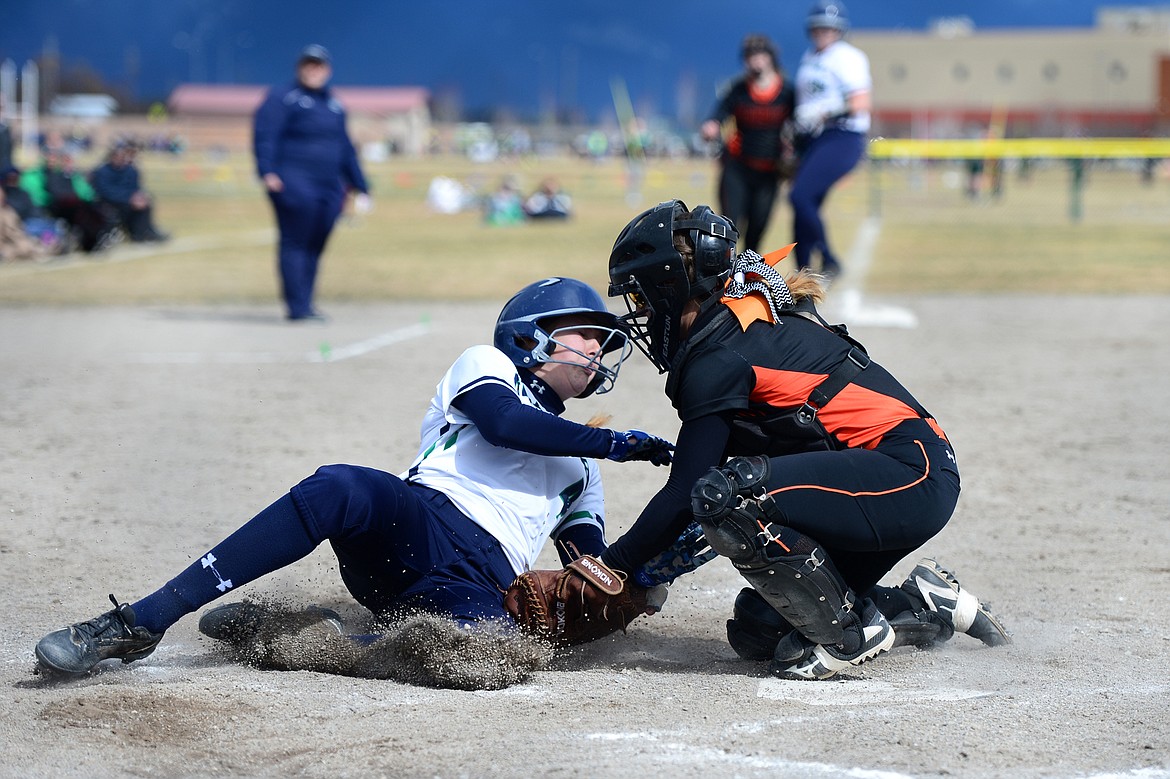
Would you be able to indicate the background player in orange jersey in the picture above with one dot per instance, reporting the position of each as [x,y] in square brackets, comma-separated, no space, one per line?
[761,103]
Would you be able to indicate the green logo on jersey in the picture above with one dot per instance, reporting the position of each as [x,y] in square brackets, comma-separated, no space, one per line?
[447,442]
[569,495]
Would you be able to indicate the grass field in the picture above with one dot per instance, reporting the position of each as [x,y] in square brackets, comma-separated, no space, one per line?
[931,238]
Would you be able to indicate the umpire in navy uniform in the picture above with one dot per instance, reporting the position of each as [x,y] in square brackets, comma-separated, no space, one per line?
[308,165]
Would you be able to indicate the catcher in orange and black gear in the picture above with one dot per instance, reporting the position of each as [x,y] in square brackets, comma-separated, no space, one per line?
[806,463]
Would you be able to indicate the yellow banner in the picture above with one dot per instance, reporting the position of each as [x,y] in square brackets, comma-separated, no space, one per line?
[1050,148]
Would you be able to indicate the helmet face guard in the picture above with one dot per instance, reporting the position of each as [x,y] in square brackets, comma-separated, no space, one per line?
[522,334]
[649,273]
[653,318]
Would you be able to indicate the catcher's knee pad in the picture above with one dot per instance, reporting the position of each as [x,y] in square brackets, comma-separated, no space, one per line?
[756,627]
[787,568]
[725,502]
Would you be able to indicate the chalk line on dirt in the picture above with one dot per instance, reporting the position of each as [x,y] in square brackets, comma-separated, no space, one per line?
[324,353]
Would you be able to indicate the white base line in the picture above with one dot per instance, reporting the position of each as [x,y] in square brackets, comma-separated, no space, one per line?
[678,749]
[859,693]
[850,308]
[369,345]
[138,251]
[324,354]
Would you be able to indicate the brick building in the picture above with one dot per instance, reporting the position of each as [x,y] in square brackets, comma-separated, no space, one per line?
[1112,79]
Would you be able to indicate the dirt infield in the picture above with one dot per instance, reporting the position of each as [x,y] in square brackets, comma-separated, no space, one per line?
[135,438]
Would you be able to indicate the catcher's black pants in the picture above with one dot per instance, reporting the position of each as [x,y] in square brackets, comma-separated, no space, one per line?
[747,196]
[869,508]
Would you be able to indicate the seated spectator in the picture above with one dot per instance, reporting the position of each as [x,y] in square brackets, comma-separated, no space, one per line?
[15,243]
[51,232]
[118,187]
[17,198]
[503,207]
[548,202]
[64,193]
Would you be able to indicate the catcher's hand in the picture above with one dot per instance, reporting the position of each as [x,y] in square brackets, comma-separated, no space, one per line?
[689,551]
[584,601]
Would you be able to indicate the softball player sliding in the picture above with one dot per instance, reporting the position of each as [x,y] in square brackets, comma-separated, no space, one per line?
[498,472]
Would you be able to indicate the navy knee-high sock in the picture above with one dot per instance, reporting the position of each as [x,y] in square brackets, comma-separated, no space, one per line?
[269,541]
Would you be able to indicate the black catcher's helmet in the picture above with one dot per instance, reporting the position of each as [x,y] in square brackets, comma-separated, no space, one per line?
[648,271]
[522,332]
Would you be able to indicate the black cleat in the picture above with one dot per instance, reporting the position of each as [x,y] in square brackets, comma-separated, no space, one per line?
[940,591]
[78,648]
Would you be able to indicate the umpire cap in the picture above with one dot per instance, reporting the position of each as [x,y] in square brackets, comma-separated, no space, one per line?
[315,52]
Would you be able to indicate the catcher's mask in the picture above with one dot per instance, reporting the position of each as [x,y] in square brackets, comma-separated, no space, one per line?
[650,274]
[522,335]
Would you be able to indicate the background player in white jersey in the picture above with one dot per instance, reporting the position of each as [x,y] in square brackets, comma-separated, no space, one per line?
[498,472]
[833,101]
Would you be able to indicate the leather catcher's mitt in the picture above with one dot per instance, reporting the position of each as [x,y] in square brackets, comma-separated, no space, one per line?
[584,601]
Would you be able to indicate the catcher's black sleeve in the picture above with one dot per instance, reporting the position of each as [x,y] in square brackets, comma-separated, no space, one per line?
[700,446]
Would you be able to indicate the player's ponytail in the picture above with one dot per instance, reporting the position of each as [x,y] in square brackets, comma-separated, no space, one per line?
[804,284]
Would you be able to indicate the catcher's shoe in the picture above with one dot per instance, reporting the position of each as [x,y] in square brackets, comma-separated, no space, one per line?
[236,623]
[868,636]
[940,591]
[78,648]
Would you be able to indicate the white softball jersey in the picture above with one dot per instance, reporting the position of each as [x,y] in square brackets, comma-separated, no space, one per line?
[519,498]
[827,78]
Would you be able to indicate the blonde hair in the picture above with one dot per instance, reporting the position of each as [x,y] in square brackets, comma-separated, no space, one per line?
[804,285]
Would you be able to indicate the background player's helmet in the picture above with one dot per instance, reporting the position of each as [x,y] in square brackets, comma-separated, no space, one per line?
[648,271]
[522,335]
[828,13]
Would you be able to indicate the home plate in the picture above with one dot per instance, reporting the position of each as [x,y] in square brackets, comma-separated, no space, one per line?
[858,692]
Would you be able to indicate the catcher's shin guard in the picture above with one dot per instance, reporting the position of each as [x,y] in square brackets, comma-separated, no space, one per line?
[789,570]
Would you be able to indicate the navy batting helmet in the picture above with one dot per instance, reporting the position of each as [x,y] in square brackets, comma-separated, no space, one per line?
[649,272]
[830,14]
[522,334]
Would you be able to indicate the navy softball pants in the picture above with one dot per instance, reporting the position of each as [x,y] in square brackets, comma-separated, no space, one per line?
[825,161]
[306,211]
[399,546]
